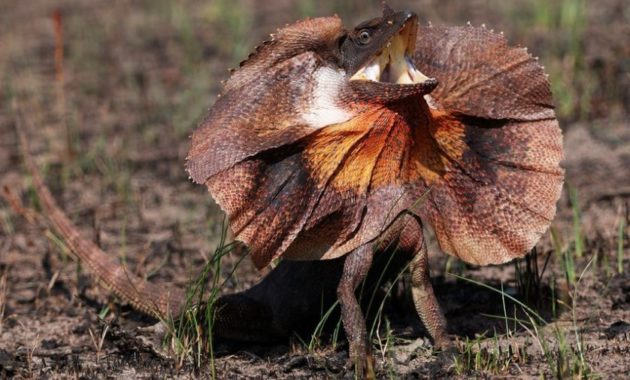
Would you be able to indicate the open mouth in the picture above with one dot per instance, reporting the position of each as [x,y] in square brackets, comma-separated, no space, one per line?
[393,64]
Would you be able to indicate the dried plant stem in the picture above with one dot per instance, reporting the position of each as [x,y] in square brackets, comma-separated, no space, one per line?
[60,84]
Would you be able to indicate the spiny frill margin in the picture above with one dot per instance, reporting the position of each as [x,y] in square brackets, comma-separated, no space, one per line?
[484,151]
[499,195]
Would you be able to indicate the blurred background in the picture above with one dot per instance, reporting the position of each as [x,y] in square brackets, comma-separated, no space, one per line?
[111,91]
[116,87]
[160,62]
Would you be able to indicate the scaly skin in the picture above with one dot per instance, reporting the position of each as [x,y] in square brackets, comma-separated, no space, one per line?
[314,157]
[473,150]
[289,299]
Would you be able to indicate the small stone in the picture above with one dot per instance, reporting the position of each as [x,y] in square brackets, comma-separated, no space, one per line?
[617,328]
[24,296]
[403,354]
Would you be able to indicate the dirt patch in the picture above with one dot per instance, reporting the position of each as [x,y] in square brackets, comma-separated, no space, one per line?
[136,78]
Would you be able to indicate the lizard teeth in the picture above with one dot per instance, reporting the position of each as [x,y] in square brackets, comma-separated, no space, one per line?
[415,74]
[391,67]
[373,71]
[393,64]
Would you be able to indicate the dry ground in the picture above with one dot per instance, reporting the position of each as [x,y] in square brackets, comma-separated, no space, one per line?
[110,114]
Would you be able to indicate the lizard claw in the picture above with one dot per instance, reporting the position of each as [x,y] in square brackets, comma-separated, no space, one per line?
[363,367]
[443,343]
[447,350]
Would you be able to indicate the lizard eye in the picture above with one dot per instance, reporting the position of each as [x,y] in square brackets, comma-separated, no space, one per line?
[364,37]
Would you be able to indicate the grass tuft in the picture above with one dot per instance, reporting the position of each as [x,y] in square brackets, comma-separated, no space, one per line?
[562,349]
[190,335]
[621,236]
[571,82]
[3,296]
[487,355]
[317,336]
[529,278]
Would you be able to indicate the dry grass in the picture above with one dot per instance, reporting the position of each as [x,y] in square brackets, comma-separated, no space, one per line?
[115,88]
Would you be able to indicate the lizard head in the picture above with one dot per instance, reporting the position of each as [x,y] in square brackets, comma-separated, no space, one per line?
[309,75]
[377,56]
[372,61]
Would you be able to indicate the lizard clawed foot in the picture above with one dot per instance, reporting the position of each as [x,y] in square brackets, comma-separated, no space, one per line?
[363,365]
[443,343]
[446,350]
[356,266]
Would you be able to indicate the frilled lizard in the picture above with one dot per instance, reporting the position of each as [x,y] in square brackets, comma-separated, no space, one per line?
[328,145]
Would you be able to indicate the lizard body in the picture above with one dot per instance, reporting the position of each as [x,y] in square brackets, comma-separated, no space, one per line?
[330,144]
[450,126]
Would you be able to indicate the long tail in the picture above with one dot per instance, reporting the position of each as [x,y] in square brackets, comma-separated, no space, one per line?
[143,296]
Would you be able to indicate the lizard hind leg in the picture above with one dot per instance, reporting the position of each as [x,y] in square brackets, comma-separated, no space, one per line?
[423,296]
[355,269]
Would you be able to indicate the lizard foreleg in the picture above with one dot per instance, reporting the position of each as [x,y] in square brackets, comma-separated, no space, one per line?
[355,269]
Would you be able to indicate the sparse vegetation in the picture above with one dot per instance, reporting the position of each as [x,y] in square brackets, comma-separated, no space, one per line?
[572,84]
[189,335]
[483,355]
[3,297]
[98,341]
[114,89]
[621,237]
[562,348]
[561,342]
